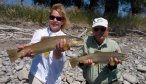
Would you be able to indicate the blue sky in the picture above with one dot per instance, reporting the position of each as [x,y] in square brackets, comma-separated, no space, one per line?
[25,2]
[29,2]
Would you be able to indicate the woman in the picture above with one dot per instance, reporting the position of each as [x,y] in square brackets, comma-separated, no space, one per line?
[46,67]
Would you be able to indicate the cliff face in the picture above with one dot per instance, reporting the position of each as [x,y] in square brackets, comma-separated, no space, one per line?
[133,69]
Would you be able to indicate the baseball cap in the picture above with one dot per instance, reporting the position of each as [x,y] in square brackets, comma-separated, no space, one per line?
[100,22]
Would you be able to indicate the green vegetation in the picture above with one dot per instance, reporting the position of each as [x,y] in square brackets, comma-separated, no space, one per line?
[9,13]
[40,15]
[122,25]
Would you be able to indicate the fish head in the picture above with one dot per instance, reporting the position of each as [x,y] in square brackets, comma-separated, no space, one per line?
[123,56]
[76,42]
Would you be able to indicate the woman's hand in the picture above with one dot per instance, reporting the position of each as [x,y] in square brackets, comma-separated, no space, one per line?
[25,52]
[60,47]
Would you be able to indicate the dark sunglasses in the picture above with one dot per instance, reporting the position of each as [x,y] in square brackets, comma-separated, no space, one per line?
[99,28]
[57,18]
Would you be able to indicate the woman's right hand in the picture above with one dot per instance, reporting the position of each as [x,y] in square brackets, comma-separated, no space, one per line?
[60,47]
[24,51]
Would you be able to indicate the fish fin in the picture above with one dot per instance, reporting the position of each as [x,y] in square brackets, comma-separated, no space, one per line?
[44,38]
[83,34]
[13,54]
[46,54]
[98,51]
[73,62]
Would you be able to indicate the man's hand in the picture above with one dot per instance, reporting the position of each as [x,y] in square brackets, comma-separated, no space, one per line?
[114,61]
[88,62]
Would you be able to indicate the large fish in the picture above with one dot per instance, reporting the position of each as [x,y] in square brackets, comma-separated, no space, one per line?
[97,57]
[46,44]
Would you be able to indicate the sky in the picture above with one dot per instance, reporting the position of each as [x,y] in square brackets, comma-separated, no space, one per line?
[25,2]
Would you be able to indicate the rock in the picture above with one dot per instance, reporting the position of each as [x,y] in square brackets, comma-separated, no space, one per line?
[76,82]
[17,73]
[4,79]
[19,67]
[2,73]
[136,61]
[69,79]
[23,74]
[141,68]
[121,78]
[6,63]
[144,49]
[0,62]
[80,77]
[130,78]
[126,82]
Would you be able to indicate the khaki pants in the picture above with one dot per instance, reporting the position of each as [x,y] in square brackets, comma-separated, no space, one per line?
[34,80]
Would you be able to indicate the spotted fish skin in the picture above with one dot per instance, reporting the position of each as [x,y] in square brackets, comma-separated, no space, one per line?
[97,57]
[46,44]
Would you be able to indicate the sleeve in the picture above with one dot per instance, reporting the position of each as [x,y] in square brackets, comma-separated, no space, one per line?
[116,69]
[117,49]
[36,37]
[81,65]
[81,51]
[57,60]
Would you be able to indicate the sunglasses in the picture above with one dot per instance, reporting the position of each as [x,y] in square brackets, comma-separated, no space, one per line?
[99,28]
[57,18]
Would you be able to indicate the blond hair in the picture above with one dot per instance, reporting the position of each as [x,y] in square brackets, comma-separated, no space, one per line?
[61,10]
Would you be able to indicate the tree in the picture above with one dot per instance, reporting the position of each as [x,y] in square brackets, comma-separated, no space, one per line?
[41,2]
[54,2]
[78,3]
[111,6]
[66,2]
[136,6]
[22,2]
[93,3]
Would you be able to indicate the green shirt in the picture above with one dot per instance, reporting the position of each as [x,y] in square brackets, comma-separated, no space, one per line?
[99,73]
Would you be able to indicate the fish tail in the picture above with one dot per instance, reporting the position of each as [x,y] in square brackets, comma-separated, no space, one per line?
[73,62]
[126,58]
[13,54]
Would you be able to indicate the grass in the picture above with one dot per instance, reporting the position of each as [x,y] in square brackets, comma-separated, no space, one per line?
[34,14]
[122,25]
[40,15]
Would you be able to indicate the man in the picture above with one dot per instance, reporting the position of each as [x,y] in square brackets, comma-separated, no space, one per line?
[99,41]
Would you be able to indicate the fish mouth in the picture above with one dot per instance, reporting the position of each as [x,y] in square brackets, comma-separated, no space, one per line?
[77,43]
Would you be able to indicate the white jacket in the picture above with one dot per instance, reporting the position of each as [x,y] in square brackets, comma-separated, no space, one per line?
[46,68]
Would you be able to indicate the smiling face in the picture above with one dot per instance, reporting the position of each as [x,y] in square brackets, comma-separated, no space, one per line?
[100,33]
[56,20]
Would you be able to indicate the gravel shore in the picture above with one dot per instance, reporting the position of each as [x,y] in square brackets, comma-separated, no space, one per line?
[133,69]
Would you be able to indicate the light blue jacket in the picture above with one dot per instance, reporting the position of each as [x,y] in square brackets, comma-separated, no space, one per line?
[99,73]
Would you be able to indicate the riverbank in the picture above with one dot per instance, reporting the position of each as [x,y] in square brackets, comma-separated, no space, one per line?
[133,69]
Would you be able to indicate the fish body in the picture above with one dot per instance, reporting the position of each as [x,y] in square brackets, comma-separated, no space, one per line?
[46,44]
[97,57]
